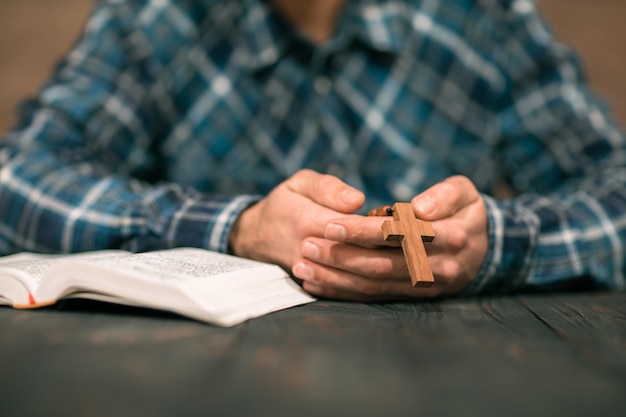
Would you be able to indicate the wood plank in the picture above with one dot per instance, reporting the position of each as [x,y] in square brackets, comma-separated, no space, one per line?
[472,357]
[593,326]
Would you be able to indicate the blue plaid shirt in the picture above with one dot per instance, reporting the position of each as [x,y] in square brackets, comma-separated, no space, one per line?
[168,118]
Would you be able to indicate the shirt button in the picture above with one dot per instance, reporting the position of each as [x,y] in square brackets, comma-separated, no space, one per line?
[322,85]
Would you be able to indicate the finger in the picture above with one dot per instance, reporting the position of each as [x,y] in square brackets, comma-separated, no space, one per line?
[450,237]
[363,231]
[380,263]
[332,283]
[321,291]
[326,190]
[445,198]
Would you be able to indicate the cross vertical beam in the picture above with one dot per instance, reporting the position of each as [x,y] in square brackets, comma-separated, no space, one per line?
[412,233]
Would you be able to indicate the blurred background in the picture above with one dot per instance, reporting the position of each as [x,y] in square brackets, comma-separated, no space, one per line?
[35,33]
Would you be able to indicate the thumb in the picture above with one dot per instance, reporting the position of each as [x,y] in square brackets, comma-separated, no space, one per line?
[445,199]
[326,190]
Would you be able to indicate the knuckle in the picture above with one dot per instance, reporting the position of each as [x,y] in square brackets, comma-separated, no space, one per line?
[457,238]
[359,230]
[381,267]
[305,172]
[451,191]
[450,270]
[299,230]
[324,182]
[462,181]
[299,175]
[371,288]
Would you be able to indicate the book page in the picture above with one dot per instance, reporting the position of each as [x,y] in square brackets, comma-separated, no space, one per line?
[209,286]
[22,273]
[33,266]
[177,265]
[30,265]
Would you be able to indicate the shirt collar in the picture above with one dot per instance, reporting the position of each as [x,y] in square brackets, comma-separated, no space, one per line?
[379,24]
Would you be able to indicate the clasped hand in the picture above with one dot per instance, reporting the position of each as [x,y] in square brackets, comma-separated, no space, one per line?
[306,226]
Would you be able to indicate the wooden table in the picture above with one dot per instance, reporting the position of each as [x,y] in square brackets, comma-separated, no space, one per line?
[531,355]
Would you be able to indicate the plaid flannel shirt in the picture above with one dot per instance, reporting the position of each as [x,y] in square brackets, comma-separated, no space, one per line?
[168,118]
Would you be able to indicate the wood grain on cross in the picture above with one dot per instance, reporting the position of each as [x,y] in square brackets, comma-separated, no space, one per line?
[412,233]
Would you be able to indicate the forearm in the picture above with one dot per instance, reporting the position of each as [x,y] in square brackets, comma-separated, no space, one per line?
[564,159]
[553,242]
[197,220]
[51,204]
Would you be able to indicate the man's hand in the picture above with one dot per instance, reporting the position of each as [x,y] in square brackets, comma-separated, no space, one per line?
[352,261]
[273,229]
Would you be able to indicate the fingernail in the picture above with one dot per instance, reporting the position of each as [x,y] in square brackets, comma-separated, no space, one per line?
[302,271]
[424,205]
[335,232]
[310,250]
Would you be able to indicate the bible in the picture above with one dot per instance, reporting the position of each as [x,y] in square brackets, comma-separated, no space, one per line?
[207,286]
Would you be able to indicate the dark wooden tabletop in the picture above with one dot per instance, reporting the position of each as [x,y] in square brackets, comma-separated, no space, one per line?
[530,355]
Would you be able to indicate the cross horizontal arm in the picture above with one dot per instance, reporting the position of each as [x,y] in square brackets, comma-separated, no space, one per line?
[412,233]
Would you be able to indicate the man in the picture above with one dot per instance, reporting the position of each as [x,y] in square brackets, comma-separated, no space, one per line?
[267,128]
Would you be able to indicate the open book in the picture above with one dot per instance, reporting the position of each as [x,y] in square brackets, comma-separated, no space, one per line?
[208,286]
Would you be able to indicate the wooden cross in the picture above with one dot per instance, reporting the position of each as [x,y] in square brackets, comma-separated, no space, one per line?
[412,234]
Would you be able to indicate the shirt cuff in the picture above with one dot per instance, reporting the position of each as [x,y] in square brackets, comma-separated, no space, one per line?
[207,223]
[511,254]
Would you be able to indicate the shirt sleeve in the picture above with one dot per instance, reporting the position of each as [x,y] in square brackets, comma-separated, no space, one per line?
[565,159]
[78,172]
